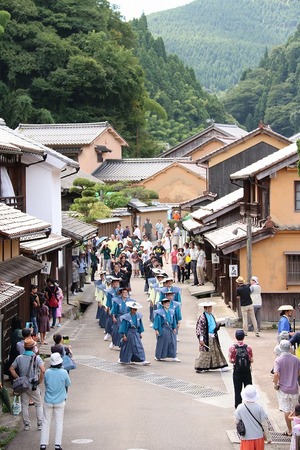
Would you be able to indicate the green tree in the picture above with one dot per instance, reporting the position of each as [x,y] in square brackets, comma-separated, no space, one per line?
[4,18]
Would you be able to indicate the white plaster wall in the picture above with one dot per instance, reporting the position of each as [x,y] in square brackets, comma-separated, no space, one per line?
[43,194]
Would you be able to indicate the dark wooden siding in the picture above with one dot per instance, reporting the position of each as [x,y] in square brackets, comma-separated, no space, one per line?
[219,175]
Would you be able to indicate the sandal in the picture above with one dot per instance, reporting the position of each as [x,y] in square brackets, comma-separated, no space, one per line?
[286,433]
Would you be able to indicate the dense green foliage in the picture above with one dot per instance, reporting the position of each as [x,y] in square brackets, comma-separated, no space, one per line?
[4,18]
[179,106]
[96,201]
[221,38]
[88,203]
[70,61]
[271,93]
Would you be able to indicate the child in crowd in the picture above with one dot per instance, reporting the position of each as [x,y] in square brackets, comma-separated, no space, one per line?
[295,417]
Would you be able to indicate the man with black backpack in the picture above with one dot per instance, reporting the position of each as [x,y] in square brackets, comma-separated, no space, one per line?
[241,356]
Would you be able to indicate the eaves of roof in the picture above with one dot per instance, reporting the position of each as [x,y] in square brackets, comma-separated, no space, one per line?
[234,236]
[18,267]
[76,229]
[41,246]
[15,224]
[268,165]
[8,293]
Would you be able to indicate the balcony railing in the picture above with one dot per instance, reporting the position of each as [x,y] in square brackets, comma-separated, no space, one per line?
[16,202]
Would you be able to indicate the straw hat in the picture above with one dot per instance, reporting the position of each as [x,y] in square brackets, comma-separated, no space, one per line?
[285,308]
[240,280]
[133,305]
[206,304]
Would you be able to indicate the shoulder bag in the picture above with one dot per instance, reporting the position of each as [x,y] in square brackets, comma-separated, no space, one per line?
[22,384]
[255,418]
[240,428]
[68,362]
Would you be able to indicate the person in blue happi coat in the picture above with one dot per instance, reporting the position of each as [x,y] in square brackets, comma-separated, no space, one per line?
[168,287]
[110,293]
[165,330]
[119,308]
[131,329]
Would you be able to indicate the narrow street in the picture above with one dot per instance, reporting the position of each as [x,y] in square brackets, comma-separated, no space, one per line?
[116,407]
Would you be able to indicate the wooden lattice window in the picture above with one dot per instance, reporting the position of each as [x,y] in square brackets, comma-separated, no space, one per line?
[292,268]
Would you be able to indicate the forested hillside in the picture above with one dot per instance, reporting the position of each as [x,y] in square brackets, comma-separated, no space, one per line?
[271,92]
[77,61]
[221,38]
[179,107]
[69,61]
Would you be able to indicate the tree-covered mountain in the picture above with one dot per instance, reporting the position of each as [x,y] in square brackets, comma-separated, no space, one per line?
[219,39]
[77,61]
[70,61]
[178,106]
[271,92]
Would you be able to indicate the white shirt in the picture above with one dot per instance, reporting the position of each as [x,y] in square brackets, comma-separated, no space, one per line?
[201,259]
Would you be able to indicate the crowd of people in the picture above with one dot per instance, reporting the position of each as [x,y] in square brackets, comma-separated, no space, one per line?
[28,363]
[112,264]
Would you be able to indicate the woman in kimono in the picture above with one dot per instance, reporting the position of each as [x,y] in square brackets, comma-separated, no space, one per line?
[165,330]
[119,308]
[210,353]
[100,286]
[131,329]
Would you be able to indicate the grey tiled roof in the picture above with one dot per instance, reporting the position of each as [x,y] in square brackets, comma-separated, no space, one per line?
[18,267]
[14,223]
[218,205]
[66,133]
[282,157]
[76,229]
[12,138]
[11,141]
[68,176]
[141,168]
[42,246]
[218,131]
[8,293]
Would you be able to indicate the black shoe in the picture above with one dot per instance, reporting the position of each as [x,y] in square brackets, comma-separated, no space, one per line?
[80,290]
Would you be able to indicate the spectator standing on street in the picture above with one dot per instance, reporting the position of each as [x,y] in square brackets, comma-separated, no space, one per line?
[75,275]
[174,253]
[241,356]
[106,253]
[167,243]
[43,317]
[34,304]
[247,308]
[254,419]
[82,266]
[159,250]
[176,234]
[255,294]
[201,265]
[56,382]
[159,229]
[126,232]
[33,363]
[147,229]
[137,232]
[286,373]
[194,252]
